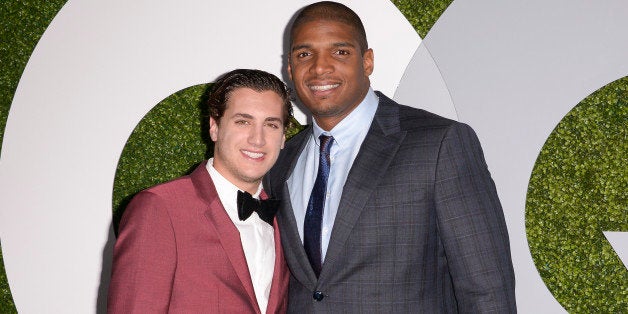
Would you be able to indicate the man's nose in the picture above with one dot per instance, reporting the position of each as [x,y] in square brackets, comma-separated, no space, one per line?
[322,65]
[256,137]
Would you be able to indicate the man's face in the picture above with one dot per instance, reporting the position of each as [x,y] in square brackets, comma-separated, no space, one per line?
[330,74]
[248,138]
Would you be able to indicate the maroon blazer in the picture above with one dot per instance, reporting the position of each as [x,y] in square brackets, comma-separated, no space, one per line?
[179,252]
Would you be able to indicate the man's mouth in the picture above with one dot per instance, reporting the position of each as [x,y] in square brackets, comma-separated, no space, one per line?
[323,88]
[254,155]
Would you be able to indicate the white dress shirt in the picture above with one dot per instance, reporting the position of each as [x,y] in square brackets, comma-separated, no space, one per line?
[348,137]
[257,237]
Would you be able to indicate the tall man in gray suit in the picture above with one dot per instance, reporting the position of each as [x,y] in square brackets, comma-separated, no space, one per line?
[386,208]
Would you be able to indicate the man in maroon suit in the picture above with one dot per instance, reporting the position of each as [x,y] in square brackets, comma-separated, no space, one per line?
[191,245]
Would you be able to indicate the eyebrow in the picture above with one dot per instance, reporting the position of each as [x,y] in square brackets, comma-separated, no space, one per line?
[301,46]
[344,44]
[243,115]
[337,44]
[274,119]
[248,116]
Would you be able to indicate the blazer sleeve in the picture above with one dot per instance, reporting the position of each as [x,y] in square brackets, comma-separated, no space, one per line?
[144,258]
[472,227]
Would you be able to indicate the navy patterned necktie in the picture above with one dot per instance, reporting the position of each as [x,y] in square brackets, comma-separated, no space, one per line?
[314,215]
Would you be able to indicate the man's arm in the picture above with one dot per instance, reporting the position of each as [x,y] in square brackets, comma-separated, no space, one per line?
[144,258]
[472,226]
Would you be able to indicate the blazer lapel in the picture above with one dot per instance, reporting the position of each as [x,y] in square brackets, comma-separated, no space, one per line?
[290,233]
[280,276]
[294,247]
[227,232]
[377,151]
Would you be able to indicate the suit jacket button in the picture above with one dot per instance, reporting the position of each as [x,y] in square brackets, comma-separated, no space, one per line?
[318,296]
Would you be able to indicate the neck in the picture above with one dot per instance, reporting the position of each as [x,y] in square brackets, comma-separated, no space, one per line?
[328,123]
[251,188]
[240,183]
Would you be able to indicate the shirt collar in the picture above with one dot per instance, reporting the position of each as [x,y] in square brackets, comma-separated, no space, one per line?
[227,191]
[357,122]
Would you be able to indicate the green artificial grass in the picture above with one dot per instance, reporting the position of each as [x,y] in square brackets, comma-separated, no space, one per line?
[21,25]
[166,144]
[577,190]
[422,14]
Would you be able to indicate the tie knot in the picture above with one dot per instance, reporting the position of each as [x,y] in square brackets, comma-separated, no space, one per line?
[326,141]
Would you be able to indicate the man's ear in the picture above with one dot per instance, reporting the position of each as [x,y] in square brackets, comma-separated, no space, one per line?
[213,129]
[289,69]
[368,62]
[283,140]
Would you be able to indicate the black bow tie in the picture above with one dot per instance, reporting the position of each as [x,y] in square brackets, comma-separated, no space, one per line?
[265,209]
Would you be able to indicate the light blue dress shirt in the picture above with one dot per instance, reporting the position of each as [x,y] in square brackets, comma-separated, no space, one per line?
[348,137]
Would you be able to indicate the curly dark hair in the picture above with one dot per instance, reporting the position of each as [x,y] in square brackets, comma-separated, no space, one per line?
[256,80]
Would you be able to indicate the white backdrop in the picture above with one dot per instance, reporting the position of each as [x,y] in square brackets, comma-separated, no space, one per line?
[102,65]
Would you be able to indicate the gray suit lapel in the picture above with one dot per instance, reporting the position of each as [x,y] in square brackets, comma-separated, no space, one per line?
[377,151]
[290,234]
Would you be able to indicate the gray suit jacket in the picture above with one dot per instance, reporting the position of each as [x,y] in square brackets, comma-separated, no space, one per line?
[419,228]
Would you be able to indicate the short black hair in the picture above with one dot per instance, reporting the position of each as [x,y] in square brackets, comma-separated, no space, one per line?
[331,11]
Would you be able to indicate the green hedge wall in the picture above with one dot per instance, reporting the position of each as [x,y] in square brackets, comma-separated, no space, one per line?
[577,190]
[166,144]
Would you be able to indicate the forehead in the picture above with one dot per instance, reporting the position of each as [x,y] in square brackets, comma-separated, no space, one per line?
[246,100]
[323,30]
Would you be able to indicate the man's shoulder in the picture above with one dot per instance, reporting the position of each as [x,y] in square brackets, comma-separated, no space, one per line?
[417,113]
[172,198]
[177,184]
[411,118]
[175,188]
[164,195]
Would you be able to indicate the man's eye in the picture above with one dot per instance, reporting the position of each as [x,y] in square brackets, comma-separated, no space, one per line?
[273,125]
[302,54]
[241,122]
[342,52]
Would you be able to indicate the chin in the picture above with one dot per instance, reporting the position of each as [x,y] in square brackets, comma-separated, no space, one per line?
[252,177]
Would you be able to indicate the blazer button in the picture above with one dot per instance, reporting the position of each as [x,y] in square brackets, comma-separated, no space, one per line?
[318,296]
